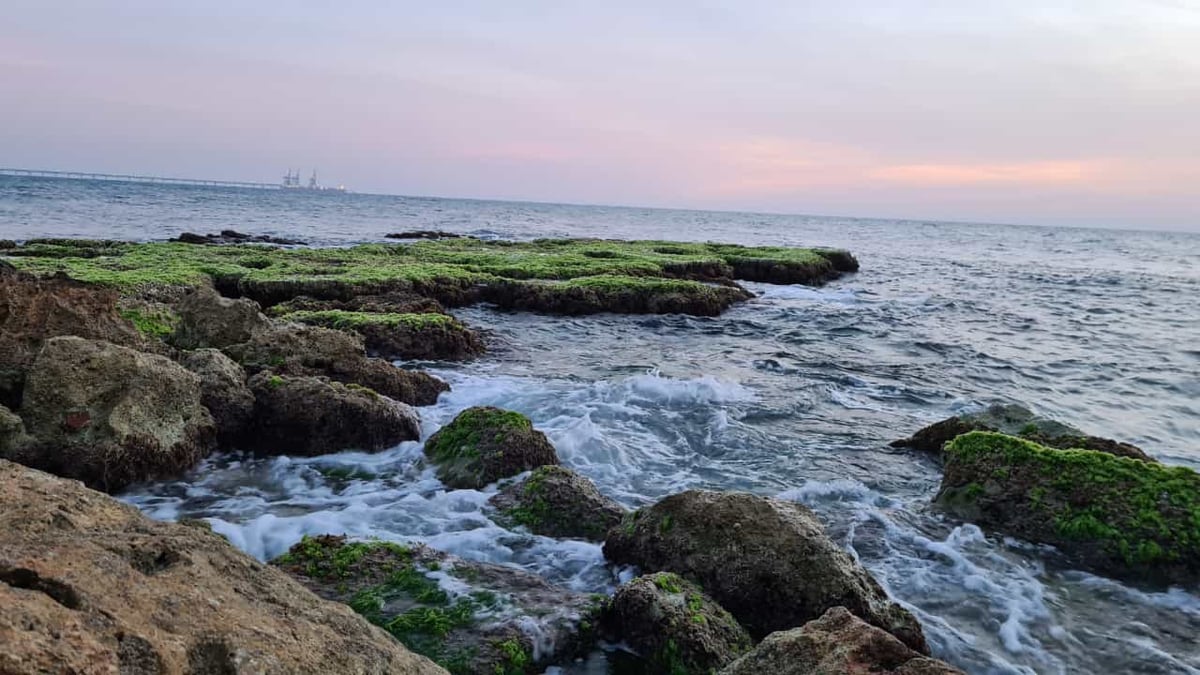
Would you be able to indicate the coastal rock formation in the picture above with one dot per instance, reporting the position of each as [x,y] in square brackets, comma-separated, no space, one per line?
[484,444]
[235,237]
[206,319]
[423,234]
[470,617]
[111,416]
[314,416]
[89,585]
[401,336]
[398,302]
[223,391]
[33,310]
[12,433]
[1016,420]
[554,501]
[838,643]
[1112,514]
[767,561]
[623,295]
[674,625]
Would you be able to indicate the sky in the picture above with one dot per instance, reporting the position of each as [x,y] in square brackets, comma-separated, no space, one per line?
[1022,111]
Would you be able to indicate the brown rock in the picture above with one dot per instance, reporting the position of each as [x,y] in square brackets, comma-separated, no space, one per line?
[554,501]
[207,319]
[90,586]
[767,561]
[223,391]
[838,643]
[111,416]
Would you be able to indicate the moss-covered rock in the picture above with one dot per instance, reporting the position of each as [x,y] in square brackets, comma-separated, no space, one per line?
[838,643]
[674,625]
[110,416]
[314,416]
[620,294]
[1112,514]
[767,561]
[469,617]
[208,320]
[554,501]
[401,336]
[484,444]
[1015,420]
[223,391]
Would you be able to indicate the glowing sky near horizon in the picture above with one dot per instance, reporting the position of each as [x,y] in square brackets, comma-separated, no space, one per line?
[1055,112]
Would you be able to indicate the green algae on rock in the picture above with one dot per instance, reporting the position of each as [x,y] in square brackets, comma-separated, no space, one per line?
[427,335]
[469,617]
[574,275]
[484,444]
[554,501]
[1111,514]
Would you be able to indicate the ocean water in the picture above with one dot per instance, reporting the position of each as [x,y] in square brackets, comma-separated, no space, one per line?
[795,393]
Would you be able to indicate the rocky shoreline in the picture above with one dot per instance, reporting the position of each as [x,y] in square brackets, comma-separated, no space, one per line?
[124,362]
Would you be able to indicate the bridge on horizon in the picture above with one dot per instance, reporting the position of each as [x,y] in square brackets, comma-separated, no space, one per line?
[130,178]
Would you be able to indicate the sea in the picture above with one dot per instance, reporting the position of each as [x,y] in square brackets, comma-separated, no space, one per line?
[794,394]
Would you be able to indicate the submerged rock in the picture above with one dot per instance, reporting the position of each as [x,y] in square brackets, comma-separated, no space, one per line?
[89,585]
[1111,514]
[1015,420]
[768,561]
[223,391]
[235,237]
[838,643]
[484,444]
[111,416]
[401,336]
[33,310]
[674,625]
[314,416]
[554,501]
[423,234]
[206,319]
[470,617]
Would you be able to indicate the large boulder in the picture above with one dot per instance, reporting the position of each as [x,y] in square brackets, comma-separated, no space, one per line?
[1111,514]
[206,319]
[33,310]
[484,444]
[674,625]
[89,585]
[223,391]
[426,335]
[1015,420]
[314,416]
[414,387]
[111,416]
[470,617]
[554,501]
[838,643]
[767,561]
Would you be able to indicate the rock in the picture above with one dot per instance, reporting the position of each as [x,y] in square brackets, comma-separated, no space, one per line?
[401,336]
[223,391]
[111,416]
[1015,420]
[484,444]
[554,501]
[1111,514]
[838,643]
[423,234]
[33,310]
[623,295]
[295,349]
[396,302]
[825,265]
[89,585]
[470,617]
[314,416]
[235,237]
[12,433]
[678,628]
[767,561]
[206,319]
[6,244]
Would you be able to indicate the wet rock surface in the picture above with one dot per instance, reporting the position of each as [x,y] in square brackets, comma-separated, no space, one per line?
[223,391]
[315,416]
[423,234]
[555,501]
[838,643]
[235,237]
[89,585]
[111,416]
[674,625]
[1111,514]
[623,296]
[484,444]
[470,617]
[767,561]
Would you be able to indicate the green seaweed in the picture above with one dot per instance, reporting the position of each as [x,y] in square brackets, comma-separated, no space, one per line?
[153,324]
[461,438]
[344,320]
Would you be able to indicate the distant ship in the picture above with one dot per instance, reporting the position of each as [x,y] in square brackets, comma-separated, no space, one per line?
[291,181]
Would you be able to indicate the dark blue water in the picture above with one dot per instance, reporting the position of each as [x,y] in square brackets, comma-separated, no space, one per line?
[795,393]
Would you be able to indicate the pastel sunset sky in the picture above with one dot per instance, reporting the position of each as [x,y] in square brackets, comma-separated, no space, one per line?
[1054,112]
